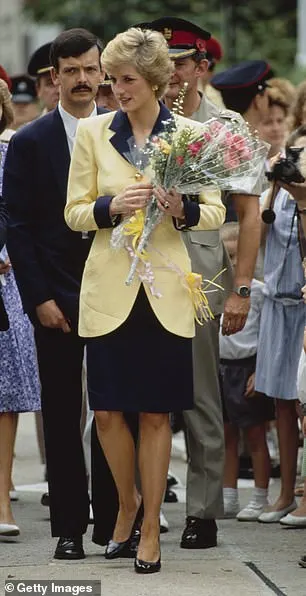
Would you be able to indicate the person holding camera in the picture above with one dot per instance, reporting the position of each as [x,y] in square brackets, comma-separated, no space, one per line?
[283,313]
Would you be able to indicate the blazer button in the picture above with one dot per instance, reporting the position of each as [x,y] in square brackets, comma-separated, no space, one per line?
[138,176]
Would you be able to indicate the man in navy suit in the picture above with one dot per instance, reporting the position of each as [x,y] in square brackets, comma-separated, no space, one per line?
[48,261]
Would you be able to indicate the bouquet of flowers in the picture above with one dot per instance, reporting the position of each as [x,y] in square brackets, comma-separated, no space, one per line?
[222,154]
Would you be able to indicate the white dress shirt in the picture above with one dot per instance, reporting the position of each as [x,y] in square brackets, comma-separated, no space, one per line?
[71,123]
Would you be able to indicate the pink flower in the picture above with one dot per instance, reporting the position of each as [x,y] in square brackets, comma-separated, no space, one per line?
[195,147]
[246,154]
[216,127]
[206,137]
[231,161]
[238,140]
[180,160]
[228,139]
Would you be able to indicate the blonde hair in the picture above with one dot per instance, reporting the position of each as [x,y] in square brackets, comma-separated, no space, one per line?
[146,50]
[296,112]
[284,86]
[7,106]
[277,98]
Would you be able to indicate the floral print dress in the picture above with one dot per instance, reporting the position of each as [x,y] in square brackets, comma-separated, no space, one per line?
[19,379]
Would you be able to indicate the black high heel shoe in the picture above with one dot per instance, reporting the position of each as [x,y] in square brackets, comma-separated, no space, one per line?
[128,548]
[141,566]
[114,550]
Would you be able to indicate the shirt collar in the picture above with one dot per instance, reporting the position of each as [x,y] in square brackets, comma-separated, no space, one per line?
[71,122]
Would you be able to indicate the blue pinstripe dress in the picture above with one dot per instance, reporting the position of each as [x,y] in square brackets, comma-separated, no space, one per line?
[283,314]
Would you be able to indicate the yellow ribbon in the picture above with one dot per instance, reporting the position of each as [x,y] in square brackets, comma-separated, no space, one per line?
[201,308]
[134,227]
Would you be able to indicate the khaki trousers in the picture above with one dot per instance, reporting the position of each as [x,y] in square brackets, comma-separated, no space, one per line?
[204,424]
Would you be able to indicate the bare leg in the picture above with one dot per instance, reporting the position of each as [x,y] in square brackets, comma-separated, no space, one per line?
[287,428]
[257,443]
[8,422]
[15,422]
[231,467]
[119,449]
[154,456]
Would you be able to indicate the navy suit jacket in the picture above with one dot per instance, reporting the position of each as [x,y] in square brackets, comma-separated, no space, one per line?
[47,257]
[3,222]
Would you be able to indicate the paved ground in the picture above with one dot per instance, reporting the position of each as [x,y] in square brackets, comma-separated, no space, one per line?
[252,559]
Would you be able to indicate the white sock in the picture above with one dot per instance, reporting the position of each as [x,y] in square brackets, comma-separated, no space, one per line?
[230,495]
[260,495]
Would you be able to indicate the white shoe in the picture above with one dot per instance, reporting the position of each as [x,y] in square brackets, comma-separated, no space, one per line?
[295,521]
[14,495]
[272,517]
[9,530]
[231,508]
[163,523]
[252,511]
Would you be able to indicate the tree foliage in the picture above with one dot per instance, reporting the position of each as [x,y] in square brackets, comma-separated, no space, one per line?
[253,29]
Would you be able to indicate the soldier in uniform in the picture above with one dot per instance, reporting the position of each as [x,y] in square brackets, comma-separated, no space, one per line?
[39,67]
[244,89]
[187,46]
[24,98]
[105,97]
[214,54]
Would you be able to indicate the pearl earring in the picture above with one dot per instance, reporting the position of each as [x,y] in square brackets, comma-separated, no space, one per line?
[155,87]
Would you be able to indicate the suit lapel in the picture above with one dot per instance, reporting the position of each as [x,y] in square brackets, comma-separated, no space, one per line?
[120,125]
[59,152]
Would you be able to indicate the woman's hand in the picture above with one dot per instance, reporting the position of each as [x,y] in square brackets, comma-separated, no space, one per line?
[250,387]
[170,202]
[297,191]
[135,196]
[4,266]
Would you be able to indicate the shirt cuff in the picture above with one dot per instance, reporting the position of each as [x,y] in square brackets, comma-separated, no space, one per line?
[102,215]
[192,215]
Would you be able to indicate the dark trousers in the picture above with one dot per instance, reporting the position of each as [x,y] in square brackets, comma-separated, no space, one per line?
[60,359]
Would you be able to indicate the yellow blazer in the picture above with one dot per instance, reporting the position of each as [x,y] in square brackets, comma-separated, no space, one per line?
[99,169]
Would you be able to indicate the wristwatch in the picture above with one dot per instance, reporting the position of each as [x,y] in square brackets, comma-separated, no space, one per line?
[242,291]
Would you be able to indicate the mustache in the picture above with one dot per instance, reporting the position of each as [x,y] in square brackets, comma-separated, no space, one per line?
[81,88]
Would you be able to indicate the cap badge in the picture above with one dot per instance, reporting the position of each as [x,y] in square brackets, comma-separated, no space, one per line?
[22,86]
[167,33]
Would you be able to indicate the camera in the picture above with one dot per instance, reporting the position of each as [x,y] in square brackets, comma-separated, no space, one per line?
[287,168]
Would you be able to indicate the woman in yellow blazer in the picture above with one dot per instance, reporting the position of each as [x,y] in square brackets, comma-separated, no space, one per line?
[139,349]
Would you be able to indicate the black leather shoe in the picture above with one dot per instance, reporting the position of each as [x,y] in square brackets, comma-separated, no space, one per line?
[69,548]
[141,566]
[45,500]
[171,481]
[199,533]
[302,561]
[170,496]
[116,550]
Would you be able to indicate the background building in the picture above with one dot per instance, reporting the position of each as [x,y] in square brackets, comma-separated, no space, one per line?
[19,37]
